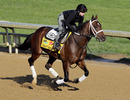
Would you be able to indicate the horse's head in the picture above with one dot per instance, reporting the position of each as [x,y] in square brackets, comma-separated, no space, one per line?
[95,29]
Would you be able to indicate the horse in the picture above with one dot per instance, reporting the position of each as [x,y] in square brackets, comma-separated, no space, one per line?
[73,51]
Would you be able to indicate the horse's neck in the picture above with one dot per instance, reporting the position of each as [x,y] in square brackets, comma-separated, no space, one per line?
[76,44]
[82,41]
[84,31]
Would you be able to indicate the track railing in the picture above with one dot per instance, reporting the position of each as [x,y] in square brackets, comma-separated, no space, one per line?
[17,36]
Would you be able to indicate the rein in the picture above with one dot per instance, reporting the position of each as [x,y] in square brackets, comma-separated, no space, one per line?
[82,35]
[89,36]
[80,47]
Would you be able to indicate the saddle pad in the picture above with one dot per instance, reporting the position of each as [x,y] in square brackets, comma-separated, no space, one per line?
[48,44]
[51,35]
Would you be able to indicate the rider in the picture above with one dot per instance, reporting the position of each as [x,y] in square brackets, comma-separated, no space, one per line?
[67,19]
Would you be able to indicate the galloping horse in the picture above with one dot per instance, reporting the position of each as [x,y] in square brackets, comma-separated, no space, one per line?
[72,52]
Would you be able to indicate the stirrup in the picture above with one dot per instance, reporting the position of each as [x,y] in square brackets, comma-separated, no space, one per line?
[57,46]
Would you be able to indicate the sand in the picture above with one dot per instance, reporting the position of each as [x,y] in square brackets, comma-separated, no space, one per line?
[106,81]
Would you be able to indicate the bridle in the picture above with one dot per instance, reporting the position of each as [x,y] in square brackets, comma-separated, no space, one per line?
[91,27]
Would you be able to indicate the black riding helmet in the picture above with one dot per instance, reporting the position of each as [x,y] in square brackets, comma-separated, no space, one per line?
[81,8]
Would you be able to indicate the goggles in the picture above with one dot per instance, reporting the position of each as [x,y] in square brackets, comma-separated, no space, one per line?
[83,10]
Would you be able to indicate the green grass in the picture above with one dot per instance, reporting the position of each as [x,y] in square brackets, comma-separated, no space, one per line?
[110,46]
[113,15]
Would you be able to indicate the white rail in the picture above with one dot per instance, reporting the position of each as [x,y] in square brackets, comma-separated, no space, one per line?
[12,25]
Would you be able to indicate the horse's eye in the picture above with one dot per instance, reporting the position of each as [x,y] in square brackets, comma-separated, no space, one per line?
[95,26]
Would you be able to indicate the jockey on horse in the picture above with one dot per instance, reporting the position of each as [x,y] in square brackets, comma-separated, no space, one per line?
[68,19]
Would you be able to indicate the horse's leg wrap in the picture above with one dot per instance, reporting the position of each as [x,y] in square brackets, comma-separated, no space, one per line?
[60,81]
[34,75]
[51,70]
[82,78]
[33,71]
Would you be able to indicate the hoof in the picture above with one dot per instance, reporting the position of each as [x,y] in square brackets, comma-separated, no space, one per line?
[76,80]
[34,82]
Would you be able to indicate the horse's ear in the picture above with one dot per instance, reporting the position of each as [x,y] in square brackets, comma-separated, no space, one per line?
[92,17]
[96,17]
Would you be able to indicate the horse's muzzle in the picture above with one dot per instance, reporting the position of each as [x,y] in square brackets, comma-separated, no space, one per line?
[100,38]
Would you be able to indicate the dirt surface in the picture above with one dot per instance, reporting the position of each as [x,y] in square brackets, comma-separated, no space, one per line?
[106,81]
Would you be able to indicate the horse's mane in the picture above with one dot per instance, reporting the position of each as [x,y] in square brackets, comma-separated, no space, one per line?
[85,23]
[80,27]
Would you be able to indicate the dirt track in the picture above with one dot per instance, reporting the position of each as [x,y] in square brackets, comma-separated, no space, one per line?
[106,81]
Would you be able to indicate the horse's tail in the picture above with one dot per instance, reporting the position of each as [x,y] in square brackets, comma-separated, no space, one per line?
[27,43]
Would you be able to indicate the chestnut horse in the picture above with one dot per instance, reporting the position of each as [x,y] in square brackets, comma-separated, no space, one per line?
[72,52]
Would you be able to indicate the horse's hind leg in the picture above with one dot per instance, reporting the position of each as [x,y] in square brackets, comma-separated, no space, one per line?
[48,66]
[31,63]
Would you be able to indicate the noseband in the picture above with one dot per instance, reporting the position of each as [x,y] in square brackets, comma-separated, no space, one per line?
[93,29]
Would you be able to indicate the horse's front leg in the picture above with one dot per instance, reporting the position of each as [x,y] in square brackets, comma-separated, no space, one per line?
[82,65]
[66,73]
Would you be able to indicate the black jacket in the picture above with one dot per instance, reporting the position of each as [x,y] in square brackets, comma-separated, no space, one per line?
[71,17]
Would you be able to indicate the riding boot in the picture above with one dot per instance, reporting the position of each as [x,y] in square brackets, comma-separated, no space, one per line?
[58,41]
[60,36]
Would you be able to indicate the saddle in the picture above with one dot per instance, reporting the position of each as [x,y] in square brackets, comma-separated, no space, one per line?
[48,40]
